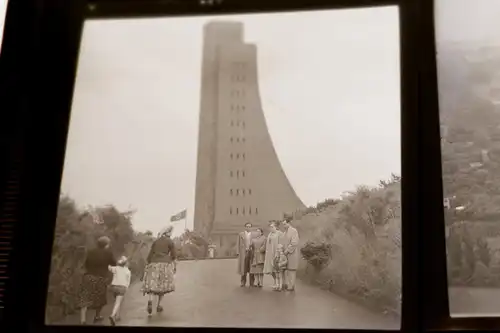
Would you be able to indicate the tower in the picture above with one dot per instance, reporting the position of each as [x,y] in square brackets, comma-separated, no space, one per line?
[239,177]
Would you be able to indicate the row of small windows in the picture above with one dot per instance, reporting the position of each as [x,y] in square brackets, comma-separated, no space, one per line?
[238,78]
[238,173]
[238,64]
[237,93]
[237,156]
[238,191]
[237,139]
[243,211]
[238,123]
[237,108]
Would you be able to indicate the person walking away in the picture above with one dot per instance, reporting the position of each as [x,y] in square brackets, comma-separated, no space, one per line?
[243,251]
[159,275]
[279,262]
[273,239]
[119,285]
[94,285]
[291,242]
[258,255]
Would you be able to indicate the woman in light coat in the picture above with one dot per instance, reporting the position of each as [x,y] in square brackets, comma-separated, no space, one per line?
[274,238]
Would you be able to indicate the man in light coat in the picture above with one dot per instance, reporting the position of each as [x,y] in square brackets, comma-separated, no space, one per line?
[243,250]
[291,243]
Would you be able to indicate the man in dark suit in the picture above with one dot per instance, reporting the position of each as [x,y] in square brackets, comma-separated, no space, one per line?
[243,250]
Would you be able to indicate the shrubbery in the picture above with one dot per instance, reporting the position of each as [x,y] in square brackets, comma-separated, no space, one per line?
[353,245]
[75,232]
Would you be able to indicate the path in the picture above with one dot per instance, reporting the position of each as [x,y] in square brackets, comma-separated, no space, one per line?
[208,294]
[466,301]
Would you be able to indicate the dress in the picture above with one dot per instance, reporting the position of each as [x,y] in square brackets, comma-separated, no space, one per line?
[258,255]
[159,277]
[94,285]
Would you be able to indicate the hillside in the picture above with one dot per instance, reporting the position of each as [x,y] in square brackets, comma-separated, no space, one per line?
[352,246]
[470,121]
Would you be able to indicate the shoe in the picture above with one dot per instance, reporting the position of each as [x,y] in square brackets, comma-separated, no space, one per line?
[159,309]
[150,307]
[112,320]
[97,319]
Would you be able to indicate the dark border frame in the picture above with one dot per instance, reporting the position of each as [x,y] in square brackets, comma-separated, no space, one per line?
[46,121]
[434,274]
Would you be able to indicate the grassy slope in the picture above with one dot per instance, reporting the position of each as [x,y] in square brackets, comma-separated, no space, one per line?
[368,271]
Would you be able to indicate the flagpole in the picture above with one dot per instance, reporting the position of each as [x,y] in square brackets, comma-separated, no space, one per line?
[185,221]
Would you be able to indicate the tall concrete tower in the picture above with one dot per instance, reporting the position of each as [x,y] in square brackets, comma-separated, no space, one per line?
[239,177]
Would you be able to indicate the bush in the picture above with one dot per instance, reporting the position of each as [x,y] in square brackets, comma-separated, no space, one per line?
[316,254]
[354,246]
[75,232]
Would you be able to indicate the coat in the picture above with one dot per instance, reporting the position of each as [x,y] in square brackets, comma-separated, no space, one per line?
[241,249]
[291,243]
[273,239]
[258,250]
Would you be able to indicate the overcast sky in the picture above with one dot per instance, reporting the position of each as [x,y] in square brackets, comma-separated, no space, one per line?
[330,90]
[468,20]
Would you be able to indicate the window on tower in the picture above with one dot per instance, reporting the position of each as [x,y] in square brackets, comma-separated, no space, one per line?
[250,210]
[249,191]
[256,210]
[231,173]
[243,210]
[243,107]
[243,139]
[237,192]
[231,139]
[231,155]
[231,192]
[242,124]
[232,123]
[237,212]
[243,191]
[237,156]
[243,173]
[230,210]
[237,174]
[243,155]
[237,139]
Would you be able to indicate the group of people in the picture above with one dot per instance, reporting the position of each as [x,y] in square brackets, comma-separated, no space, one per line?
[158,278]
[276,254]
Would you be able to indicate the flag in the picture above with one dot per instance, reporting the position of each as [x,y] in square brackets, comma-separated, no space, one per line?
[178,216]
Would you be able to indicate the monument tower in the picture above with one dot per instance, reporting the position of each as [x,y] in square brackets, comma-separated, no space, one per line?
[239,177]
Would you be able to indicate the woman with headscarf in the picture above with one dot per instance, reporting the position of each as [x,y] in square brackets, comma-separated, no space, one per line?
[93,289]
[160,269]
[258,250]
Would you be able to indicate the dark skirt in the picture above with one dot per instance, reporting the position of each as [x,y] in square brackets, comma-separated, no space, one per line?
[93,292]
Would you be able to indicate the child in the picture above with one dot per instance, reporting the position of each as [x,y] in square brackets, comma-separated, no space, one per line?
[279,263]
[119,285]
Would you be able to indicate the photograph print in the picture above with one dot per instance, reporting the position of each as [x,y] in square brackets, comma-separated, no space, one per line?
[233,171]
[468,67]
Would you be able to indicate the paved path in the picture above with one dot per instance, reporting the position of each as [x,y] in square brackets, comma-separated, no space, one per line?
[474,301]
[208,294]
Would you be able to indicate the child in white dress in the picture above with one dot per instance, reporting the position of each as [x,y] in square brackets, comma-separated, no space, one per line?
[119,286]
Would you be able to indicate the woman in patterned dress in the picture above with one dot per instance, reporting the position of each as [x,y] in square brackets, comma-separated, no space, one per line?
[93,289]
[160,269]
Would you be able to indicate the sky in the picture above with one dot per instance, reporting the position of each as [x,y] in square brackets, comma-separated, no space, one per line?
[330,89]
[3,12]
[467,21]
